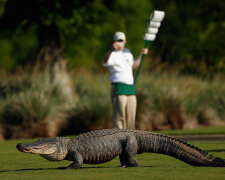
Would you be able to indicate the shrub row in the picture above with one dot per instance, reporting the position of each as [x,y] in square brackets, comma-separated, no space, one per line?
[49,101]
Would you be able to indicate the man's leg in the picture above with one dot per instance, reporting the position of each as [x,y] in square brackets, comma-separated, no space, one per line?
[131,111]
[119,111]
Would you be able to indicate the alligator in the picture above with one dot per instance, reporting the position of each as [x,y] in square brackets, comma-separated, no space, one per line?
[100,146]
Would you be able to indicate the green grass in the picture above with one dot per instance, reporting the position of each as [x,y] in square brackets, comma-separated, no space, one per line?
[17,165]
[204,130]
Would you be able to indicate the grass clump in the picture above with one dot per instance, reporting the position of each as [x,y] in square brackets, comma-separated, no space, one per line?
[175,101]
[49,101]
[32,103]
[165,101]
[93,110]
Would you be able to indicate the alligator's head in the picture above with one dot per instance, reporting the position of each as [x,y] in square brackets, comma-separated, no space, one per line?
[53,149]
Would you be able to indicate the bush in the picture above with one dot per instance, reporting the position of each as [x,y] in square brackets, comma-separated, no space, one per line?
[34,98]
[173,101]
[42,102]
[93,111]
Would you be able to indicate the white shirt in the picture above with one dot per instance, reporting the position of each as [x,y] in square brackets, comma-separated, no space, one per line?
[120,66]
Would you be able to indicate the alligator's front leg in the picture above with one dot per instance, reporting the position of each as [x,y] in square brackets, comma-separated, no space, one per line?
[77,161]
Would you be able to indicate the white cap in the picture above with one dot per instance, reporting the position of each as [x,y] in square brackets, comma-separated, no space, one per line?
[119,36]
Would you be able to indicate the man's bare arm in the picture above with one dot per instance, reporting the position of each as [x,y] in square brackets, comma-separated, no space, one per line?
[138,60]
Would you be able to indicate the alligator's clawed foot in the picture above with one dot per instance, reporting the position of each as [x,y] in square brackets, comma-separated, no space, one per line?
[74,166]
[123,166]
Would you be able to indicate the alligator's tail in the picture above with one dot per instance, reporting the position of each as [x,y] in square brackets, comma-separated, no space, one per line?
[157,143]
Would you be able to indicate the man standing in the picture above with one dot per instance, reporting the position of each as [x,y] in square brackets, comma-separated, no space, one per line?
[121,63]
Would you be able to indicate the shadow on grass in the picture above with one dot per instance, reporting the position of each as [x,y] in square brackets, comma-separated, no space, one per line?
[64,168]
[42,169]
[216,150]
[38,169]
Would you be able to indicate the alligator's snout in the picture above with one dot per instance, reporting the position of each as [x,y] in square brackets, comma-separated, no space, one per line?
[18,146]
[23,148]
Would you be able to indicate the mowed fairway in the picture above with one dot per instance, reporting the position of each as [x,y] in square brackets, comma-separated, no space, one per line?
[17,165]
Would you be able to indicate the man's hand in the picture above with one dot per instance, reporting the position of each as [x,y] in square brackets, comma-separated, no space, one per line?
[144,51]
[115,45]
[119,45]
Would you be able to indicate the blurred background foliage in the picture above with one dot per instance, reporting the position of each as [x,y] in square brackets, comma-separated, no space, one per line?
[191,36]
[51,77]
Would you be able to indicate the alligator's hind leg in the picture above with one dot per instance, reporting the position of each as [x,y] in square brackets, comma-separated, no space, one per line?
[128,161]
[78,161]
[127,157]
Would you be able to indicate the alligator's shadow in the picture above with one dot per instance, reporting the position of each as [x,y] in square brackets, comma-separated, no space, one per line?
[38,169]
[60,168]
[216,150]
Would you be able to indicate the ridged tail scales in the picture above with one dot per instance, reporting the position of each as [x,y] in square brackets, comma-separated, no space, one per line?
[157,143]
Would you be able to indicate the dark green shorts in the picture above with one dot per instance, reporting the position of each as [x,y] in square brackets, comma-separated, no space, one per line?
[124,89]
